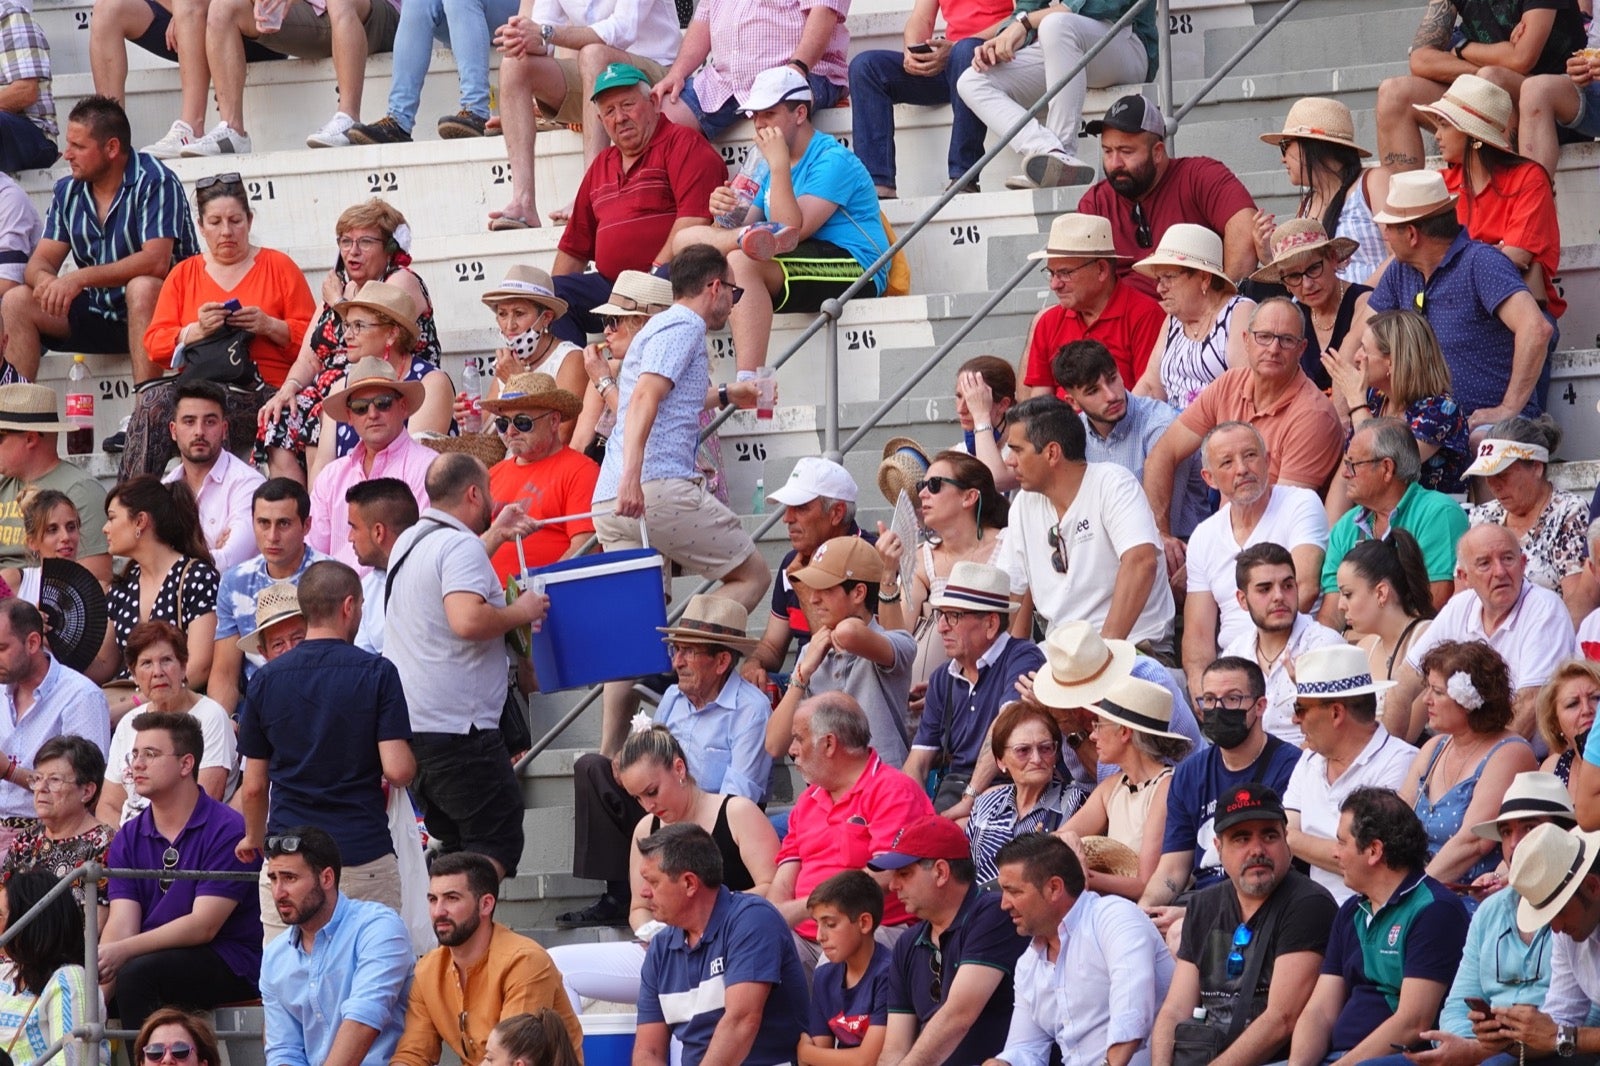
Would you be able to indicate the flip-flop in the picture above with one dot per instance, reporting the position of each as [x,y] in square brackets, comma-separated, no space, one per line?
[508,222]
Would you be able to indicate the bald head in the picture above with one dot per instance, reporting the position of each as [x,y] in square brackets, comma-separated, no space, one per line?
[1489,559]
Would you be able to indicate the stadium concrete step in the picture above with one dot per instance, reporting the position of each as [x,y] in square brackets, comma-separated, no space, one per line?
[1317,34]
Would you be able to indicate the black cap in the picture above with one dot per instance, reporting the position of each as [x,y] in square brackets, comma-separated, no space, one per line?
[1130,114]
[1248,803]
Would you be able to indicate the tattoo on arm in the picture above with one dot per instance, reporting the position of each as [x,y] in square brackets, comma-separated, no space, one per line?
[1437,22]
[1172,886]
[1402,160]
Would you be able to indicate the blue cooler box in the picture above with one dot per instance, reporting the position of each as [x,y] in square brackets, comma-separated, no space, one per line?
[608,1039]
[604,610]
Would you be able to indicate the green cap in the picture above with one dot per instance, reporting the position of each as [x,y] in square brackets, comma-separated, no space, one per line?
[617,75]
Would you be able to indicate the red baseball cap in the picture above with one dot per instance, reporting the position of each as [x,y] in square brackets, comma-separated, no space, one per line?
[930,837]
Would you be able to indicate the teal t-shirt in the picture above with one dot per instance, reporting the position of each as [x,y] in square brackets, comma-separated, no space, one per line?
[829,170]
[1433,518]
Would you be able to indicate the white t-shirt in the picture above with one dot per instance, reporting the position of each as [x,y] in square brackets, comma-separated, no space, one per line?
[1382,764]
[1589,631]
[1533,640]
[1294,516]
[1306,635]
[1108,517]
[221,749]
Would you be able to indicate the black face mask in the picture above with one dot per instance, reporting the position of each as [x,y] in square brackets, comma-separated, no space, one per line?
[1224,728]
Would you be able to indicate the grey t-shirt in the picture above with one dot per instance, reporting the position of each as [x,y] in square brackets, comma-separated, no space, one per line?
[882,691]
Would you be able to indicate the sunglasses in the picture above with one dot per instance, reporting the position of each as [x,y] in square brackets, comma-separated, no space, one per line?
[169,862]
[524,423]
[284,844]
[1241,940]
[382,403]
[179,1051]
[1141,227]
[936,988]
[1058,550]
[937,484]
[232,177]
[611,323]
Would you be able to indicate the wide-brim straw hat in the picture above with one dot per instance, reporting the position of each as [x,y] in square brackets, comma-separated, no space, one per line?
[1078,236]
[1191,247]
[390,301]
[1477,107]
[1533,794]
[905,462]
[1080,666]
[1109,856]
[369,373]
[1413,196]
[534,392]
[25,407]
[527,283]
[1296,237]
[276,603]
[487,448]
[712,620]
[1336,671]
[1317,118]
[1546,870]
[1141,705]
[637,293]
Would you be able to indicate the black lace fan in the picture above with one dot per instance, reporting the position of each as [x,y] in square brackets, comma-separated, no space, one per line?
[74,609]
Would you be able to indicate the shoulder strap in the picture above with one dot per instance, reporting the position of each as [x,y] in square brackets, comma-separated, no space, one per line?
[1263,761]
[1245,1001]
[394,568]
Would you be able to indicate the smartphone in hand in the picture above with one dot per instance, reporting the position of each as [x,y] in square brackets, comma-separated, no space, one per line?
[923,49]
[231,306]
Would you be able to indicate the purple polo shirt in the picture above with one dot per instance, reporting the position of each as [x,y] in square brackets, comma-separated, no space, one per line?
[206,843]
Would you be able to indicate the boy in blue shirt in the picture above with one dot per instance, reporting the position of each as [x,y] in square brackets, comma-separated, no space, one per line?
[849,992]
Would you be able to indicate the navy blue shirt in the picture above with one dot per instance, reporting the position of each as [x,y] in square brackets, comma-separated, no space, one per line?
[686,987]
[846,1012]
[1192,799]
[316,715]
[981,935]
[958,715]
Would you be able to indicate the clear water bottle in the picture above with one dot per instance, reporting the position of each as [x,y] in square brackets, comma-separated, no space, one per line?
[745,185]
[80,409]
[472,392]
[758,499]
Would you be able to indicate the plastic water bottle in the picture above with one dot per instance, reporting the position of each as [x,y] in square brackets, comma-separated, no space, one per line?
[745,185]
[472,391]
[758,500]
[80,409]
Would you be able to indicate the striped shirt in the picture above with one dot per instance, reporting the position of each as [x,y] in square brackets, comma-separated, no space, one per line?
[24,53]
[149,206]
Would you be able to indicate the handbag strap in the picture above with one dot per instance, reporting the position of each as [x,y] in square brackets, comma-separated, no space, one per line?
[1252,970]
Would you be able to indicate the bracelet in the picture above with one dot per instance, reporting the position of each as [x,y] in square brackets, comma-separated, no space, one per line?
[607,382]
[295,382]
[982,427]
[805,68]
[889,597]
[969,792]
[722,395]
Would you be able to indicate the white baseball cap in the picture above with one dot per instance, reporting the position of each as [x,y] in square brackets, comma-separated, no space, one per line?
[774,86]
[815,476]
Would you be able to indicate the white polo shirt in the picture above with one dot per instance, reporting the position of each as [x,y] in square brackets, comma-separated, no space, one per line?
[1533,640]
[1294,516]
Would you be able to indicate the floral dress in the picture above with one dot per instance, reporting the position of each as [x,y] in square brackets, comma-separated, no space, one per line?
[1557,544]
[33,850]
[1438,421]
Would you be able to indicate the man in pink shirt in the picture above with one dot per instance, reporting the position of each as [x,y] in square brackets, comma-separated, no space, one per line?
[377,404]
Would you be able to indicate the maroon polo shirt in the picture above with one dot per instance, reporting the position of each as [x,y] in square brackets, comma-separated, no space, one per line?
[1128,327]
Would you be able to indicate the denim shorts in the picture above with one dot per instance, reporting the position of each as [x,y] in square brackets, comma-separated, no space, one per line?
[1588,121]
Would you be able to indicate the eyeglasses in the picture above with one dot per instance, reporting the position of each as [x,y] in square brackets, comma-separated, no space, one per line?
[1058,550]
[675,649]
[382,403]
[366,244]
[169,862]
[179,1051]
[1165,280]
[524,423]
[53,783]
[1141,227]
[1351,464]
[936,964]
[1266,338]
[232,177]
[147,755]
[937,484]
[1513,970]
[1045,749]
[1293,278]
[1283,148]
[284,844]
[1231,703]
[1241,940]
[610,323]
[1064,273]
[951,618]
[738,293]
[356,327]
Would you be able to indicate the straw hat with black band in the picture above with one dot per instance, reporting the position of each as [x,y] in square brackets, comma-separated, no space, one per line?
[389,301]
[25,407]
[714,621]
[1533,794]
[1549,866]
[1140,705]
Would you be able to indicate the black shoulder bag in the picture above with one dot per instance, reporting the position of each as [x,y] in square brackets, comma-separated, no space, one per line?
[1199,1043]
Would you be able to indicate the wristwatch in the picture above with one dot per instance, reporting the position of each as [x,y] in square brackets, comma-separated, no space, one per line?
[1566,1040]
[1021,18]
[547,33]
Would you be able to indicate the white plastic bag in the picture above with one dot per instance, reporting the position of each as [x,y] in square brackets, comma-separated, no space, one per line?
[413,871]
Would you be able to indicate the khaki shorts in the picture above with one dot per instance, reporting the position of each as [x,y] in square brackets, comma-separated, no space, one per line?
[685,523]
[571,110]
[308,35]
[378,881]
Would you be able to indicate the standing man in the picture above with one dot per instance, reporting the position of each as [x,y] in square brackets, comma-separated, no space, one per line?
[445,625]
[378,511]
[30,458]
[222,484]
[321,728]
[333,990]
[125,220]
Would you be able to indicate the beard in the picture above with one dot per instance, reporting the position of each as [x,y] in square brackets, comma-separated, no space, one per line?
[294,914]
[452,935]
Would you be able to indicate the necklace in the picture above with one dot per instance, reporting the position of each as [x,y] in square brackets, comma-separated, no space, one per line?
[1323,324]
[1267,665]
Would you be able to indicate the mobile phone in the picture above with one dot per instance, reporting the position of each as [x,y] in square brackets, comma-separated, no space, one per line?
[1478,1004]
[231,306]
[1420,1045]
[923,49]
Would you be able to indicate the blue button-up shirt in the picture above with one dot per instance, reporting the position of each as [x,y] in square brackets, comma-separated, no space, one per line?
[1134,438]
[672,345]
[723,742]
[358,970]
[65,702]
[236,598]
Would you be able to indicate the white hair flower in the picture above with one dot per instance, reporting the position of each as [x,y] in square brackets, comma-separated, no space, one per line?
[402,236]
[1461,689]
[640,723]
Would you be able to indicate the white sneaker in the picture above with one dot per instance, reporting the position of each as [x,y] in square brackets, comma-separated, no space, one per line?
[178,137]
[333,132]
[220,141]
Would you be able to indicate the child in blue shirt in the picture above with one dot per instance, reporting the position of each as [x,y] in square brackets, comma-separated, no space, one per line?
[849,992]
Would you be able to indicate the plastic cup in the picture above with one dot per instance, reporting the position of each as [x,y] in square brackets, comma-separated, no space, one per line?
[269,15]
[766,391]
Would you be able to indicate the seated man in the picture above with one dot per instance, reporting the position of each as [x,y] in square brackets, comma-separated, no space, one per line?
[222,484]
[717,717]
[964,939]
[1528,626]
[480,974]
[722,975]
[1550,103]
[1011,72]
[1379,992]
[1235,462]
[20,230]
[1336,707]
[1092,303]
[630,224]
[27,109]
[849,992]
[333,990]
[1145,190]
[30,417]
[1092,975]
[825,217]
[1381,468]
[1490,328]
[971,614]
[121,254]
[1251,992]
[536,84]
[172,942]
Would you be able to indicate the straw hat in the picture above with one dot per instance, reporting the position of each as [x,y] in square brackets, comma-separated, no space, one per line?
[1083,667]
[905,462]
[1140,705]
[1295,238]
[637,293]
[1495,454]
[1335,671]
[527,283]
[390,301]
[1108,856]
[369,373]
[1079,237]
[1549,865]
[278,602]
[25,407]
[1317,118]
[1477,107]
[488,448]
[1193,247]
[1532,795]
[976,587]
[712,620]
[1415,195]
[534,392]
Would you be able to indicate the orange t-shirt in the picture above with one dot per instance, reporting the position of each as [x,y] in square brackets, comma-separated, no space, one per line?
[560,485]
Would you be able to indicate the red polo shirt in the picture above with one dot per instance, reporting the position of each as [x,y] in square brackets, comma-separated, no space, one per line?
[1128,327]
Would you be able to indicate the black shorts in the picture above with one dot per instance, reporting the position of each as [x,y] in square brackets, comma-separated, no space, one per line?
[469,794]
[154,40]
[816,271]
[89,332]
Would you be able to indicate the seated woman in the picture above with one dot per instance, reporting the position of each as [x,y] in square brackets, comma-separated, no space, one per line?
[653,769]
[1565,710]
[176,1035]
[1026,741]
[524,305]
[1384,595]
[66,782]
[1551,524]
[1305,260]
[986,387]
[1206,316]
[45,986]
[538,1039]
[1460,776]
[51,529]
